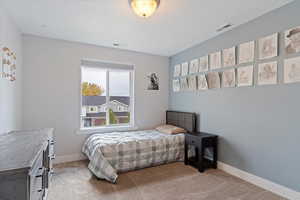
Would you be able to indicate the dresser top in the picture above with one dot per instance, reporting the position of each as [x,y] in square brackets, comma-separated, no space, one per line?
[19,149]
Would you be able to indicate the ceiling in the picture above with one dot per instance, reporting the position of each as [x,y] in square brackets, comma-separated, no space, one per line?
[177,24]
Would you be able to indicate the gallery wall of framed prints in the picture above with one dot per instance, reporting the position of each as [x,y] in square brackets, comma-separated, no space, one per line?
[252,63]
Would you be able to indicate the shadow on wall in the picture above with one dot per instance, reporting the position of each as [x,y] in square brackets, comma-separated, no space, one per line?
[225,147]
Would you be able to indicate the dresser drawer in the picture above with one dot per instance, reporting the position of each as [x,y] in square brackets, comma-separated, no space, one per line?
[37,165]
[36,178]
[37,185]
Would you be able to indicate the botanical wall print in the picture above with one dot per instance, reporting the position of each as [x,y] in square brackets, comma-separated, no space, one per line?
[267,73]
[153,82]
[1,65]
[9,64]
[203,64]
[184,84]
[245,76]
[268,46]
[194,66]
[228,78]
[292,70]
[176,85]
[246,52]
[202,82]
[214,80]
[192,81]
[215,60]
[177,70]
[184,69]
[292,40]
[13,67]
[229,57]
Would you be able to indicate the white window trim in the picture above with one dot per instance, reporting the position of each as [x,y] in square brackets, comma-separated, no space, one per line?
[106,129]
[111,128]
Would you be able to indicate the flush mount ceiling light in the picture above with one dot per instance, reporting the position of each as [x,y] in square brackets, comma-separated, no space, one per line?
[144,8]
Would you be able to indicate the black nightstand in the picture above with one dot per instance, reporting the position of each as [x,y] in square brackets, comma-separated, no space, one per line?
[200,142]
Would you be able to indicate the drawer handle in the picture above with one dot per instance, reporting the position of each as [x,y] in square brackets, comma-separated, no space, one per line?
[39,176]
[52,143]
[40,190]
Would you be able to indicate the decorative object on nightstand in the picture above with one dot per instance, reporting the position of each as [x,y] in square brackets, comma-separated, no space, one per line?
[201,142]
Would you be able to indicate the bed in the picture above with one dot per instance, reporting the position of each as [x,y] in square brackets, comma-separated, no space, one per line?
[111,153]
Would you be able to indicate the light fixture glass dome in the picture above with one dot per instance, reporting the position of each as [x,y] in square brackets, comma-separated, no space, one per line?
[144,8]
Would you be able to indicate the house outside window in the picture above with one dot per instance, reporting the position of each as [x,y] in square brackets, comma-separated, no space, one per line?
[107,98]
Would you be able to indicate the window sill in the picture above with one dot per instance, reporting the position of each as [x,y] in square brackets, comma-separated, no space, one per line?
[106,129]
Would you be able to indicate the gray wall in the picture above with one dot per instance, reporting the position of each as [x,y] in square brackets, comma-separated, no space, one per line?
[10,92]
[258,126]
[52,87]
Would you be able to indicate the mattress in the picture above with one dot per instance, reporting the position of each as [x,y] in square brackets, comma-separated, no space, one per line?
[110,153]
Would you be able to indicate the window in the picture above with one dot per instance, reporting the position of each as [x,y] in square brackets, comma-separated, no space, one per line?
[106,89]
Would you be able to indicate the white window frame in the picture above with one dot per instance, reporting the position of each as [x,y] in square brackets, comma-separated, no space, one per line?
[115,127]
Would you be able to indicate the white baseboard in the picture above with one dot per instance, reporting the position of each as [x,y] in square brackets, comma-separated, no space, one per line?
[69,158]
[261,182]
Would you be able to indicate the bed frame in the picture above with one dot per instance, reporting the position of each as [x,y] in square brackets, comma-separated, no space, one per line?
[184,120]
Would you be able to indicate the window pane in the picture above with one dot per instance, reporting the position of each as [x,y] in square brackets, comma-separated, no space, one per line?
[119,100]
[93,86]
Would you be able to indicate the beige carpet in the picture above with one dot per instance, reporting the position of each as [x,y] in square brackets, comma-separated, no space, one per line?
[73,181]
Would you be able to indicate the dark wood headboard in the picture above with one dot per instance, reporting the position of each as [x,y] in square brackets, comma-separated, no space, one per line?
[184,120]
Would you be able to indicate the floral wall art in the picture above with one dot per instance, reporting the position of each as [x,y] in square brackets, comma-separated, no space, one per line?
[292,40]
[215,60]
[203,64]
[246,52]
[8,64]
[228,78]
[268,46]
[292,70]
[229,57]
[267,73]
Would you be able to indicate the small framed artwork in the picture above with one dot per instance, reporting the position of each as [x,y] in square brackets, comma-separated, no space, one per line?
[267,73]
[177,70]
[1,62]
[245,76]
[214,80]
[184,84]
[228,78]
[215,60]
[292,40]
[194,66]
[292,70]
[268,46]
[184,69]
[192,81]
[176,85]
[153,82]
[13,67]
[6,62]
[246,52]
[229,57]
[202,82]
[203,64]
